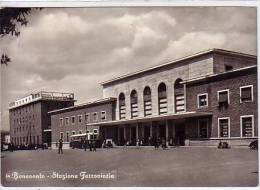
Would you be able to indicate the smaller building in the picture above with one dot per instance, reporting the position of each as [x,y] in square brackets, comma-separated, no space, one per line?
[29,122]
[78,119]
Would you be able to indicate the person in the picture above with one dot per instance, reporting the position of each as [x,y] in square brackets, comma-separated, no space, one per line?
[90,145]
[85,144]
[94,145]
[157,143]
[163,143]
[137,143]
[60,146]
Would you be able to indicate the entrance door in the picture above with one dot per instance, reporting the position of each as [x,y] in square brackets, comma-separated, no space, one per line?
[146,134]
[121,136]
[162,131]
[133,135]
[180,134]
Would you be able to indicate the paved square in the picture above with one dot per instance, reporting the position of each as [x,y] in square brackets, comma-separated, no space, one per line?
[135,167]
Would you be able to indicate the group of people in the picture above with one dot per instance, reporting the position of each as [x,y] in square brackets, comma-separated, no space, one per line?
[156,142]
[91,144]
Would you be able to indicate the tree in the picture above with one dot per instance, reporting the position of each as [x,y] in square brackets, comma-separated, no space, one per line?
[10,19]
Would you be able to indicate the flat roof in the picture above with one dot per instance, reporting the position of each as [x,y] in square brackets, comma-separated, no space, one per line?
[88,104]
[214,50]
[41,95]
[151,118]
[219,74]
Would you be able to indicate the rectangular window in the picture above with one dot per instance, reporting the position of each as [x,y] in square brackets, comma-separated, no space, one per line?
[87,117]
[72,120]
[224,127]
[203,128]
[103,115]
[61,135]
[67,121]
[247,126]
[202,100]
[80,118]
[246,93]
[67,136]
[223,97]
[95,114]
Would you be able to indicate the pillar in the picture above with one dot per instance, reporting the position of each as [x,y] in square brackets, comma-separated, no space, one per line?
[167,132]
[118,135]
[142,131]
[157,131]
[151,129]
[137,136]
[124,132]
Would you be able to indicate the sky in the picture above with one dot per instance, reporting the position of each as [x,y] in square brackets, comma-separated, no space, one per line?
[75,49]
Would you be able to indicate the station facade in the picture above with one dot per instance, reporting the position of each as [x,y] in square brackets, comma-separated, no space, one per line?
[196,100]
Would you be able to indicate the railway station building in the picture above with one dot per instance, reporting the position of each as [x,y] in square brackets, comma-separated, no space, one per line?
[196,100]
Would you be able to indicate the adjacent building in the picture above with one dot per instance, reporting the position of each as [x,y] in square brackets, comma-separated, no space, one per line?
[29,121]
[77,119]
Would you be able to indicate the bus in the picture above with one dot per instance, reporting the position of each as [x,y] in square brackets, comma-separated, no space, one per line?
[76,141]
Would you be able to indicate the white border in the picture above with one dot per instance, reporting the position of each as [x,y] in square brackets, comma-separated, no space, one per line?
[81,118]
[198,95]
[67,132]
[252,93]
[87,119]
[62,135]
[224,91]
[61,123]
[67,124]
[95,119]
[203,119]
[228,118]
[74,120]
[253,124]
[105,115]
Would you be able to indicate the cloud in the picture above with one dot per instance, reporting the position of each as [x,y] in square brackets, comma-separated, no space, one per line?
[66,49]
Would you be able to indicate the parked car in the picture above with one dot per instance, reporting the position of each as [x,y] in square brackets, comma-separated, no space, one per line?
[254,145]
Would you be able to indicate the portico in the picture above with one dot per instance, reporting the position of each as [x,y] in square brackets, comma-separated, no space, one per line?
[170,127]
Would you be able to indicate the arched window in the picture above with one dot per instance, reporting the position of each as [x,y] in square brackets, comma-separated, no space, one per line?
[162,98]
[179,96]
[122,108]
[147,101]
[134,104]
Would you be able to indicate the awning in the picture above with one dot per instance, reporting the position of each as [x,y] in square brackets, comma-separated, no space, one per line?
[47,130]
[152,118]
[79,135]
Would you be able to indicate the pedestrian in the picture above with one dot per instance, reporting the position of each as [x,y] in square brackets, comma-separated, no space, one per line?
[163,144]
[85,144]
[90,145]
[137,143]
[94,145]
[60,146]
